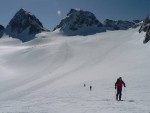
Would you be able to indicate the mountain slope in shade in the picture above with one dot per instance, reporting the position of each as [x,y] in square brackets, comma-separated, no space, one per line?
[120,24]
[24,26]
[1,28]
[79,22]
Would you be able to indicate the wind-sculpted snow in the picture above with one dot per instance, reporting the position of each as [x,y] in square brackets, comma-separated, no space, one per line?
[47,74]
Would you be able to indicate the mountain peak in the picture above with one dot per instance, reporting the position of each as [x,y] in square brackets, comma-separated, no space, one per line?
[25,23]
[23,19]
[74,10]
[79,22]
[22,11]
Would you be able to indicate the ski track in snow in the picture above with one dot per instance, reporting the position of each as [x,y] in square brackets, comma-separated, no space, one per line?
[46,75]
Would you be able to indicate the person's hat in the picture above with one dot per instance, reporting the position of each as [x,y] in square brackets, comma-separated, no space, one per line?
[120,78]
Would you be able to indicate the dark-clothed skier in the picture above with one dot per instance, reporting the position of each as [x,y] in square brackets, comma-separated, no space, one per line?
[90,88]
[118,85]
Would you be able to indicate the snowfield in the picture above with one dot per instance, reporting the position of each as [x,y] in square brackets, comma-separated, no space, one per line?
[47,74]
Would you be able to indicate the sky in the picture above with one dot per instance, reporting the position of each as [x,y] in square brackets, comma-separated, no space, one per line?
[50,12]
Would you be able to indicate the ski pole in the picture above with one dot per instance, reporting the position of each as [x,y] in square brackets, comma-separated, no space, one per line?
[115,94]
[125,92]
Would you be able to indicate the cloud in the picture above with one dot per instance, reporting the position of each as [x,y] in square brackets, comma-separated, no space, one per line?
[59,12]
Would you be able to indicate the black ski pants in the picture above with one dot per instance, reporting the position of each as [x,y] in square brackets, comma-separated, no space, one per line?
[119,94]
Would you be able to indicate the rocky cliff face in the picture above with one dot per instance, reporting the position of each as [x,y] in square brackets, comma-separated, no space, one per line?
[79,22]
[146,28]
[22,24]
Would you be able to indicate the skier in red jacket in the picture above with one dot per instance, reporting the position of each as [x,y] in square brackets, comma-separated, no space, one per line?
[118,85]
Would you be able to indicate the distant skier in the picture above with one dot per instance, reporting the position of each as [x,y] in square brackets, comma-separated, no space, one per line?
[118,85]
[84,85]
[90,88]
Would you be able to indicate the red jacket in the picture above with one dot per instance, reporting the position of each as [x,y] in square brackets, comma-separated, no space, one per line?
[119,84]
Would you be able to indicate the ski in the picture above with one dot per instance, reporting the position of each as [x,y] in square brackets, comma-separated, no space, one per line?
[127,100]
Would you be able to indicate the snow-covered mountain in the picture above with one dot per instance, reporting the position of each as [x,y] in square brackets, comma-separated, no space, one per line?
[24,25]
[146,28]
[120,24]
[79,22]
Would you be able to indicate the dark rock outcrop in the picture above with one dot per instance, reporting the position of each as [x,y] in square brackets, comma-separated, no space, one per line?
[146,28]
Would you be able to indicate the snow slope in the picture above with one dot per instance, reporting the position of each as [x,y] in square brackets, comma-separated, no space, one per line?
[46,75]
